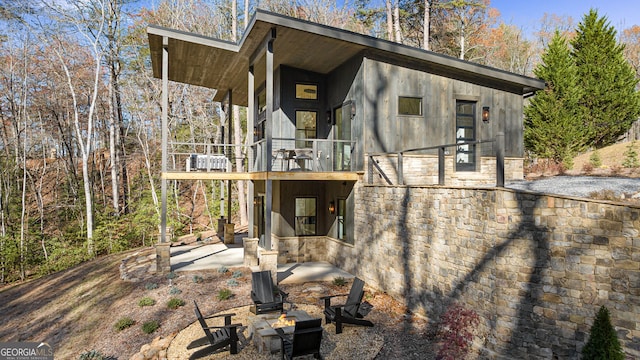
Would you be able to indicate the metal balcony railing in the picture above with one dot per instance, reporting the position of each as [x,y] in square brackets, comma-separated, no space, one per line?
[287,154]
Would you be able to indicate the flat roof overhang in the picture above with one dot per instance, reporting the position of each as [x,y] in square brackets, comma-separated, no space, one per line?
[221,65]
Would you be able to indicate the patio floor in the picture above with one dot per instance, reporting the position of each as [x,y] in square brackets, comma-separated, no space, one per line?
[215,254]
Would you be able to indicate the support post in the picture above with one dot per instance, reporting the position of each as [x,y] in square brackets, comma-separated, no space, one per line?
[400,171]
[269,139]
[250,125]
[228,150]
[499,159]
[441,166]
[163,254]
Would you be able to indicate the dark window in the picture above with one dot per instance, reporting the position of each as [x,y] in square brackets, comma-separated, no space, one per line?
[409,106]
[342,213]
[465,132]
[307,91]
[306,124]
[305,221]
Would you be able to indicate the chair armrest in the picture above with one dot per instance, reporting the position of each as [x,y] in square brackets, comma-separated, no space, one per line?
[224,326]
[220,315]
[283,337]
[327,299]
[345,304]
[283,294]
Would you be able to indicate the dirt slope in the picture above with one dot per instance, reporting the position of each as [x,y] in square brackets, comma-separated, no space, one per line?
[75,310]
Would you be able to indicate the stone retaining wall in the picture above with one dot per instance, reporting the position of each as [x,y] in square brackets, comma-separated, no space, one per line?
[535,267]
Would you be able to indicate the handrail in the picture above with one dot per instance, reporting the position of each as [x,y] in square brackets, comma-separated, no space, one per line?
[499,149]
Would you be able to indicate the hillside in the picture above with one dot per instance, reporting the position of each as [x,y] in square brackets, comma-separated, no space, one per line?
[75,310]
[612,158]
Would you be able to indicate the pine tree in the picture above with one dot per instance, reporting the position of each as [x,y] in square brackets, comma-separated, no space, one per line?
[603,341]
[609,99]
[553,128]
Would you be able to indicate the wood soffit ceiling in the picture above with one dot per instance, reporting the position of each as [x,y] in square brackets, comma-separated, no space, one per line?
[221,65]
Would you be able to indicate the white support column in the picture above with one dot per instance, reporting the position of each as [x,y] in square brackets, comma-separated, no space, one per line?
[165,137]
[269,140]
[250,125]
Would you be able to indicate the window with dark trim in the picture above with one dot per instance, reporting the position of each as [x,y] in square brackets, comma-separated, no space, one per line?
[306,91]
[340,217]
[306,127]
[305,216]
[409,106]
[465,132]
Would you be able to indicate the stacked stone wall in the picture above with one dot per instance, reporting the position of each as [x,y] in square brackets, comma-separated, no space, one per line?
[535,267]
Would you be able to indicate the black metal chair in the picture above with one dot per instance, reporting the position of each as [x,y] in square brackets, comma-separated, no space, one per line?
[306,339]
[351,312]
[221,337]
[266,298]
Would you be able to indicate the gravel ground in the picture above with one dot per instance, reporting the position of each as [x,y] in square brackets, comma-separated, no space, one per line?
[580,186]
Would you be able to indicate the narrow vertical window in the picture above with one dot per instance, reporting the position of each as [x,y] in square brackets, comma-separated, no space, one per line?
[306,124]
[342,213]
[465,132]
[305,221]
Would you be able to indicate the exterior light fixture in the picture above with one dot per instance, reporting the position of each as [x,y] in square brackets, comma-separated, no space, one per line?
[332,207]
[485,114]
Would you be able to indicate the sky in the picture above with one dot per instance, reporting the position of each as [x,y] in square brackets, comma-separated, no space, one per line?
[526,14]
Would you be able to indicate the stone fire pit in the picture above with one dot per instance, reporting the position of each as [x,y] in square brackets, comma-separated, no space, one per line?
[263,333]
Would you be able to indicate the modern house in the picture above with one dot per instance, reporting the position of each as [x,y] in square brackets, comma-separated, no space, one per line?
[331,110]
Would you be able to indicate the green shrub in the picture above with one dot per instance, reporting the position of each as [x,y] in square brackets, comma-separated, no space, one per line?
[150,286]
[232,282]
[223,269]
[150,326]
[236,274]
[595,159]
[174,291]
[603,341]
[146,301]
[339,281]
[197,279]
[172,275]
[123,323]
[175,303]
[631,156]
[224,294]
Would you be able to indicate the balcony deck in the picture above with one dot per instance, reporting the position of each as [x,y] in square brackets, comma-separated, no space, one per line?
[291,159]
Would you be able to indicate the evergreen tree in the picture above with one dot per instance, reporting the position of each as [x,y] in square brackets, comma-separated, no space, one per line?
[609,99]
[553,128]
[603,341]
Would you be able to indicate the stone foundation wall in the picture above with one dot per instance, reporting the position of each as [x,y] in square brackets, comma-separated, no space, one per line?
[535,267]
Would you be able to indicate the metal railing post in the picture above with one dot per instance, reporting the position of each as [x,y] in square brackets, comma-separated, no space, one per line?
[400,177]
[441,165]
[499,144]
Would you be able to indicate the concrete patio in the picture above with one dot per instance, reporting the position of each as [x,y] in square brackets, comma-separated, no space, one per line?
[213,254]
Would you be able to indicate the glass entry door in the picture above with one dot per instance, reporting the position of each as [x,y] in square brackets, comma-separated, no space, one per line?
[342,133]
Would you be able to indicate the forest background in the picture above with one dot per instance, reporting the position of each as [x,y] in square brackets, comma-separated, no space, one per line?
[80,111]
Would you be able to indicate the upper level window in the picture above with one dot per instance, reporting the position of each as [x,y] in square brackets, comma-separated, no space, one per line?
[307,91]
[262,101]
[409,106]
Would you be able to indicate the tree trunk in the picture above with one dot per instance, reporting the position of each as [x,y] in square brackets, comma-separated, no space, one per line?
[389,20]
[425,29]
[396,22]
